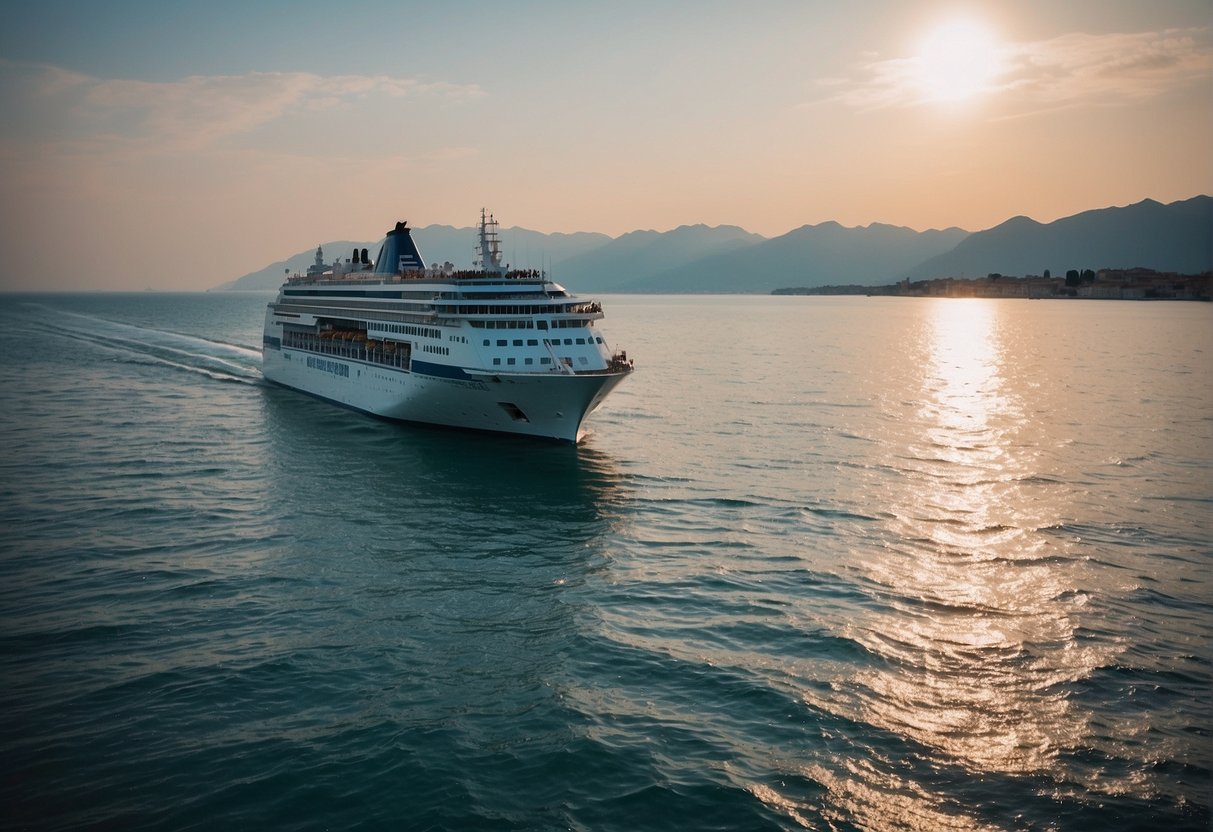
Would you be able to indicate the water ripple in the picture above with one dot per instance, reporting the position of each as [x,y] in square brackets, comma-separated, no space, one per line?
[937,577]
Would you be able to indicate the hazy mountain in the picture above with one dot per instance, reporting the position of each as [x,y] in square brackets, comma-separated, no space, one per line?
[520,247]
[812,255]
[1177,237]
[695,258]
[272,275]
[634,259]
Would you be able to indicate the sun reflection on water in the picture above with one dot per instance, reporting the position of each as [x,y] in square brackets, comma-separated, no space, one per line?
[977,616]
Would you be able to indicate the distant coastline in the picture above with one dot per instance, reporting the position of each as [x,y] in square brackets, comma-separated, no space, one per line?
[1105,284]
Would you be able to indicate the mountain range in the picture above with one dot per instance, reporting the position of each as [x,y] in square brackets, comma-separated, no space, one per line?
[1177,237]
[1168,238]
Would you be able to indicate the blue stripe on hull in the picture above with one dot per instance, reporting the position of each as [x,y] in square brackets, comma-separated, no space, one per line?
[440,370]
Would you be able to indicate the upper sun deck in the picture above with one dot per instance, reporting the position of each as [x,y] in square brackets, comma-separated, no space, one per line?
[433,287]
[400,272]
[468,277]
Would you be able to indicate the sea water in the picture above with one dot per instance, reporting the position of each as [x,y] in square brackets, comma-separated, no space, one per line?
[824,563]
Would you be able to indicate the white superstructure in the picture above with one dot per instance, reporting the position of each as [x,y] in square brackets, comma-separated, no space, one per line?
[487,349]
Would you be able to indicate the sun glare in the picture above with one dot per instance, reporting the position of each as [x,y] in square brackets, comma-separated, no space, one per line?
[957,61]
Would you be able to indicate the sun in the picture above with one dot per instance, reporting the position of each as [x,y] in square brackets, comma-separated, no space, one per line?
[957,61]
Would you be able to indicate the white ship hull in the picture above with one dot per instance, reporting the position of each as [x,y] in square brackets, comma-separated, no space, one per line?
[549,406]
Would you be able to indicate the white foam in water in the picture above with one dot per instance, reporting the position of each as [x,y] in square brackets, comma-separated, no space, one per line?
[163,346]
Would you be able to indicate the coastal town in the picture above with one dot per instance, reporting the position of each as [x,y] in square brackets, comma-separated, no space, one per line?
[1105,284]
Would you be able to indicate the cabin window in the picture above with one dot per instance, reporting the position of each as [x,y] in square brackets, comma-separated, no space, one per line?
[530,361]
[501,342]
[510,361]
[531,342]
[518,342]
[486,342]
[497,362]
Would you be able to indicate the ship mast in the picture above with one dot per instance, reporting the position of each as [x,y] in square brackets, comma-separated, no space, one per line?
[488,246]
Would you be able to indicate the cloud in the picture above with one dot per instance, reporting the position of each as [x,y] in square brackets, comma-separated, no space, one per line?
[1108,68]
[1076,69]
[889,83]
[192,113]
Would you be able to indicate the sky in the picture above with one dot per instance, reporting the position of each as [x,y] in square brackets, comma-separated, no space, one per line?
[178,145]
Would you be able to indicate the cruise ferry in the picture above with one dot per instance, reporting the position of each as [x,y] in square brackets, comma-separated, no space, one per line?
[491,348]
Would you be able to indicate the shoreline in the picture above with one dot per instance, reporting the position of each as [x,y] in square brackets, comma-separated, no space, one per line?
[1107,284]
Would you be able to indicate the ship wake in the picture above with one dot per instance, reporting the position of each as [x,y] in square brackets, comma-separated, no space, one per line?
[217,360]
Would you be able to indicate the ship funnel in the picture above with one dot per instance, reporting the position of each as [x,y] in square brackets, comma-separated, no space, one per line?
[399,253]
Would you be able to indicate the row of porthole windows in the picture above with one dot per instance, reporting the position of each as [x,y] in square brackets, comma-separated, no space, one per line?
[553,342]
[530,361]
[405,329]
[507,324]
[512,361]
[553,309]
[435,350]
[559,323]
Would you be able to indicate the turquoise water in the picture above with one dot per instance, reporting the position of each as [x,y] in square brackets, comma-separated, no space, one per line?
[825,563]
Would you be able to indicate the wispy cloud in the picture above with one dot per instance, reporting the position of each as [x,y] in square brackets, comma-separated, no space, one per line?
[191,113]
[1076,69]
[1107,68]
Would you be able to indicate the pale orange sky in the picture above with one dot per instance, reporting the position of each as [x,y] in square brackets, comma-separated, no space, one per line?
[177,148]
